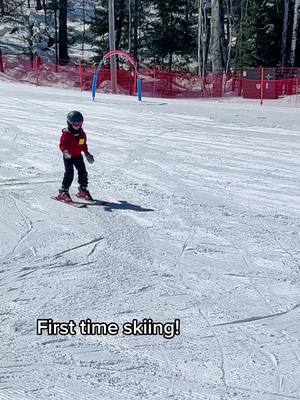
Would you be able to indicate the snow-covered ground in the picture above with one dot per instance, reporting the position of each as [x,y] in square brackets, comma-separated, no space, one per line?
[202,225]
[26,27]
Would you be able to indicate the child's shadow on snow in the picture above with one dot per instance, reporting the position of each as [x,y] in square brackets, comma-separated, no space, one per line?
[123,205]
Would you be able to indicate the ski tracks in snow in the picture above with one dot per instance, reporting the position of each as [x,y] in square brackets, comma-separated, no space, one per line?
[28,223]
[202,255]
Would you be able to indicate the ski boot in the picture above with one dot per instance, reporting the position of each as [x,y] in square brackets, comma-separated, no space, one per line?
[64,196]
[84,194]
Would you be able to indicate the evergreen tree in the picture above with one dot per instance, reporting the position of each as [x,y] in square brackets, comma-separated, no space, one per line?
[130,25]
[260,33]
[99,26]
[172,38]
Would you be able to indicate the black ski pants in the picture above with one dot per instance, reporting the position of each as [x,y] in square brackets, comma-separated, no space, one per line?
[78,163]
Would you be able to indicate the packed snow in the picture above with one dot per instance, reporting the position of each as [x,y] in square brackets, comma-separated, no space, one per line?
[201,224]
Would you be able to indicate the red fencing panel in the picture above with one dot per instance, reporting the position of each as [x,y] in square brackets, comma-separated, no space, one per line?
[248,83]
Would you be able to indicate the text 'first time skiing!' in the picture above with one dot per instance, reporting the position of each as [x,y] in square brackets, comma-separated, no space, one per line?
[146,327]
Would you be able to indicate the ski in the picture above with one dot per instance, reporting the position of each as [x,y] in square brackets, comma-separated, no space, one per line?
[91,202]
[71,203]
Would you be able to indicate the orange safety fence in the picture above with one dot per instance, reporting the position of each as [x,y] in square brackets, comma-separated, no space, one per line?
[254,83]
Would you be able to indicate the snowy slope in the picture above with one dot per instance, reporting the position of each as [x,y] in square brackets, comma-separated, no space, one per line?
[202,224]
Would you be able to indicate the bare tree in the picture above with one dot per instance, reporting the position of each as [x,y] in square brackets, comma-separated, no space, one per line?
[10,7]
[25,29]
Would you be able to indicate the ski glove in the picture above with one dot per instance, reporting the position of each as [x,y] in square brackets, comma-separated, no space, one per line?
[67,155]
[89,158]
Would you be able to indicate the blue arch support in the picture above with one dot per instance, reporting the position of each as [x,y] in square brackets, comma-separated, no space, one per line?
[94,84]
[139,88]
[96,77]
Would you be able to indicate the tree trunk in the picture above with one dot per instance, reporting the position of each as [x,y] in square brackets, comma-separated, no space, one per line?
[170,61]
[200,35]
[206,40]
[45,11]
[83,31]
[284,32]
[2,10]
[171,52]
[119,26]
[229,35]
[216,56]
[187,10]
[38,5]
[295,33]
[135,30]
[56,35]
[223,41]
[129,26]
[1,61]
[63,33]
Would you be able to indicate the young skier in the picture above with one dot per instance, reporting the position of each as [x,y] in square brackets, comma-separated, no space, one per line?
[72,144]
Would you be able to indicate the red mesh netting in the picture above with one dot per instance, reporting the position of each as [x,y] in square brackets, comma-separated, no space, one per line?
[272,83]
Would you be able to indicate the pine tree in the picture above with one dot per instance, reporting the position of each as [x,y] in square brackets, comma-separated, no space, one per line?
[171,36]
[99,26]
[130,25]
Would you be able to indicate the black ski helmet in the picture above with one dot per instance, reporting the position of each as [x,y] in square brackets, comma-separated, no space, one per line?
[74,117]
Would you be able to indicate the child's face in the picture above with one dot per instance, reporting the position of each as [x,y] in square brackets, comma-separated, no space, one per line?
[77,125]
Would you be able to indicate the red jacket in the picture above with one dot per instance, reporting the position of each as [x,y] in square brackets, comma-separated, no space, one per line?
[73,143]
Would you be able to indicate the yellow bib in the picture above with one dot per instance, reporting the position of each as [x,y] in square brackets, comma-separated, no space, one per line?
[81,141]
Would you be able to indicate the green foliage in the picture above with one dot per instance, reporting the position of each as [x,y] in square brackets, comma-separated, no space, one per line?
[124,24]
[164,29]
[99,27]
[165,32]
[171,37]
[261,30]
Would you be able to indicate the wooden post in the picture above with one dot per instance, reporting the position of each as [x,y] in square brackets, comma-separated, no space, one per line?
[80,76]
[261,85]
[37,69]
[1,61]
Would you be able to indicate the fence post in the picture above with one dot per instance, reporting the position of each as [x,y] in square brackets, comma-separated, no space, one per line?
[1,61]
[139,88]
[261,85]
[80,76]
[37,69]
[297,85]
[223,85]
[95,81]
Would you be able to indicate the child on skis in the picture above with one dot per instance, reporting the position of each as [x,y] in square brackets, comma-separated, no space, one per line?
[72,144]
